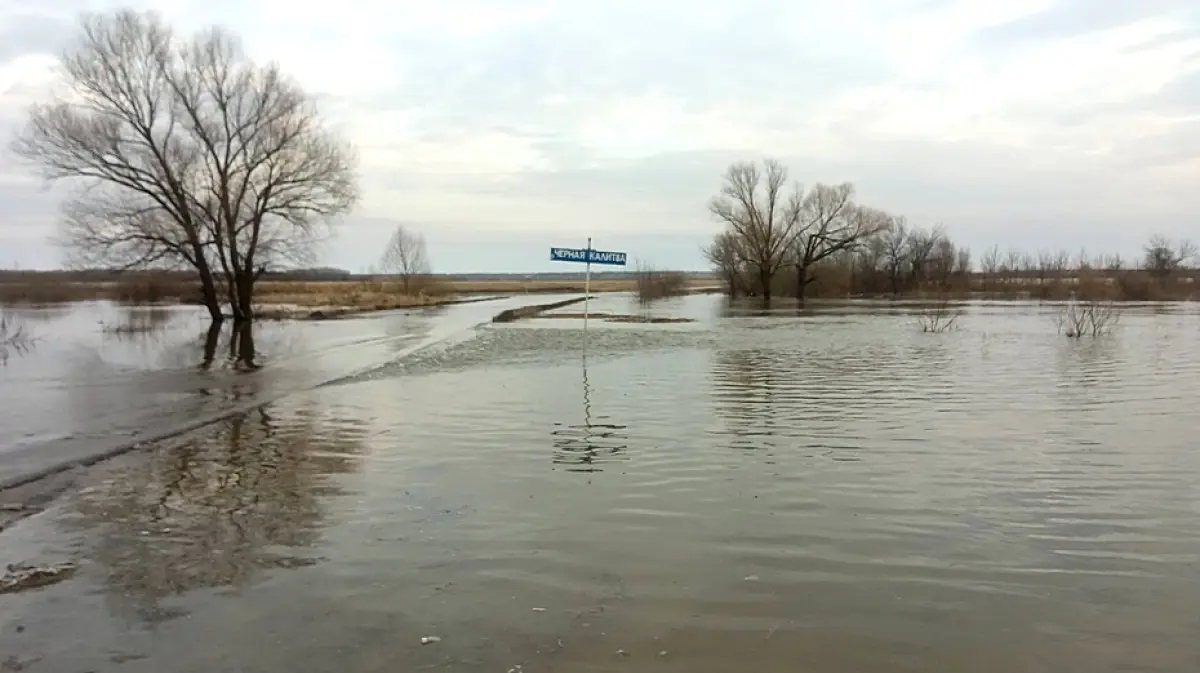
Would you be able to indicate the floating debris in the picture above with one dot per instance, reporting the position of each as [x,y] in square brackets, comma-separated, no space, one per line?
[22,576]
[539,609]
[429,640]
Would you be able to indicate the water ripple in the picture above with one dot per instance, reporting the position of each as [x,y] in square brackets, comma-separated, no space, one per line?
[841,491]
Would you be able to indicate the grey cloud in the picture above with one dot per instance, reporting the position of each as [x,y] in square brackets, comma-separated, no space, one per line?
[32,33]
[620,54]
[1071,18]
[1182,94]
[982,195]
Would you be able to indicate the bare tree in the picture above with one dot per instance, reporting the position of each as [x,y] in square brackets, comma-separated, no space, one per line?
[1164,256]
[922,245]
[1012,264]
[895,253]
[991,260]
[407,257]
[962,262]
[183,152]
[830,222]
[762,214]
[941,262]
[725,255]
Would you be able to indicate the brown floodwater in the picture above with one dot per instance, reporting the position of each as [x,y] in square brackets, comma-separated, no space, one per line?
[829,492]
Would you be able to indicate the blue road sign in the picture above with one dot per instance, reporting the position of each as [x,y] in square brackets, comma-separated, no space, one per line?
[585,256]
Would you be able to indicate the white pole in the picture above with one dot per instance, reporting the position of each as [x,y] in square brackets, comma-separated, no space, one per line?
[587,286]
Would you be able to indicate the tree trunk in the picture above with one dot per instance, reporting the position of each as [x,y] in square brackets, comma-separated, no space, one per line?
[245,296]
[210,344]
[208,293]
[235,307]
[801,284]
[764,279]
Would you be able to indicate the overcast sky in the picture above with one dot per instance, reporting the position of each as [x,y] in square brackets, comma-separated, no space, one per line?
[502,127]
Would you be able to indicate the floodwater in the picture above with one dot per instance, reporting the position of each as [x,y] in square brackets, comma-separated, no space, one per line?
[826,492]
[99,374]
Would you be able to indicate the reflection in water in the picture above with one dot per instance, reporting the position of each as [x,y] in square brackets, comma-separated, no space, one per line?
[138,321]
[242,352]
[216,509]
[14,338]
[241,346]
[747,382]
[584,448]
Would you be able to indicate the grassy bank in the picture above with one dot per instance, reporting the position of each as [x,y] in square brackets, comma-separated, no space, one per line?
[278,299]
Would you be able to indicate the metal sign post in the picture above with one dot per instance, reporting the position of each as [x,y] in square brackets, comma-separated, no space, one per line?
[588,257]
[587,286]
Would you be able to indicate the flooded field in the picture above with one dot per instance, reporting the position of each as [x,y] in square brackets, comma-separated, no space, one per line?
[827,492]
[102,375]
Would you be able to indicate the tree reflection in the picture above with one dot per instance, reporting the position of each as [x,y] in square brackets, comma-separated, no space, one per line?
[585,447]
[14,338]
[241,345]
[745,383]
[215,510]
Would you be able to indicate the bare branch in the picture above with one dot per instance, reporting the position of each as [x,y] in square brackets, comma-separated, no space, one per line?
[830,223]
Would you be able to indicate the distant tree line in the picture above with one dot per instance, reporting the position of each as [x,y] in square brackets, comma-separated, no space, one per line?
[780,240]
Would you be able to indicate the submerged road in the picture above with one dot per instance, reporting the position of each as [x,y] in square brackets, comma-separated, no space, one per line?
[102,409]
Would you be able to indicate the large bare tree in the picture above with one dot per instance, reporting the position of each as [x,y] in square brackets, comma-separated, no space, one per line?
[763,214]
[830,222]
[183,152]
[407,257]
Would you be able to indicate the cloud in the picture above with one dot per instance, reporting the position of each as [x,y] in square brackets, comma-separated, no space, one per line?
[1067,19]
[1031,122]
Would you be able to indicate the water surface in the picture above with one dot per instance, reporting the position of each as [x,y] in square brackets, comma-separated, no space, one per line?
[830,491]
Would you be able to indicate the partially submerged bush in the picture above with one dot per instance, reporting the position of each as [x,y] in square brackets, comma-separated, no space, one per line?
[651,284]
[1092,310]
[941,315]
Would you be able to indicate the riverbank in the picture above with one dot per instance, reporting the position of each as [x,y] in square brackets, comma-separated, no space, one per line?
[358,294]
[334,312]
